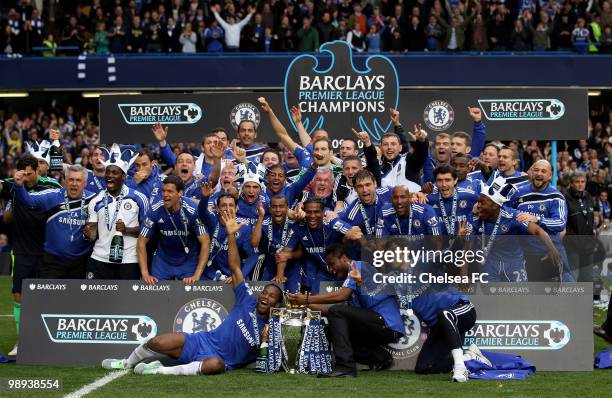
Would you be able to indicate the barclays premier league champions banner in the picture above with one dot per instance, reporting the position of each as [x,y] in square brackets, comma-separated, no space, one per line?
[341,94]
[337,90]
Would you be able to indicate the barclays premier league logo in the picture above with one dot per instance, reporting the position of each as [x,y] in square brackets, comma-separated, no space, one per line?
[244,111]
[342,94]
[438,115]
[412,341]
[518,335]
[522,109]
[100,329]
[200,315]
[178,113]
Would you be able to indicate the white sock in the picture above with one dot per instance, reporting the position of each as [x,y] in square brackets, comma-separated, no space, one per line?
[458,358]
[191,369]
[139,354]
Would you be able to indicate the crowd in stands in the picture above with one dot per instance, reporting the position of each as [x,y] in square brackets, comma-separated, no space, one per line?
[50,28]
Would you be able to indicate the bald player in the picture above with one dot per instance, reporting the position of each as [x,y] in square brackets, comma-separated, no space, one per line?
[541,203]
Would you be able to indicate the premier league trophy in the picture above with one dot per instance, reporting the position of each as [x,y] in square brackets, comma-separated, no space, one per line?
[297,342]
[293,323]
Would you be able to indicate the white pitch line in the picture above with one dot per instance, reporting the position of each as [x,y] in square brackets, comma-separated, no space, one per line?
[97,384]
[6,315]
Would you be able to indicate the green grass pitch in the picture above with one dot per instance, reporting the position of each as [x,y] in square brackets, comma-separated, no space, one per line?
[246,383]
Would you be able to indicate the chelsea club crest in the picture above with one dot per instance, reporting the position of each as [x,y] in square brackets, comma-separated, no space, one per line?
[244,111]
[199,315]
[438,115]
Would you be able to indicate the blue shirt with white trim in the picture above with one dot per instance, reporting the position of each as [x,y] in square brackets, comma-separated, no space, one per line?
[236,340]
[176,232]
[64,227]
[465,202]
[424,222]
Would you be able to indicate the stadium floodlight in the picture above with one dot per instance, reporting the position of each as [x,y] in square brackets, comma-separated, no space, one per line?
[97,94]
[14,94]
[594,93]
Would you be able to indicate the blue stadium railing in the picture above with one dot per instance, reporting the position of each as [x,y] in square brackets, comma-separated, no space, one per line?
[267,70]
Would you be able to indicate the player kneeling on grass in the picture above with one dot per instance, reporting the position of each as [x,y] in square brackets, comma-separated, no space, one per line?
[360,331]
[232,345]
[449,315]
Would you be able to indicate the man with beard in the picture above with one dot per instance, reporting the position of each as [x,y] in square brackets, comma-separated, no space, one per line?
[451,204]
[118,211]
[204,166]
[495,228]
[216,267]
[314,235]
[540,203]
[364,211]
[183,244]
[397,166]
[95,177]
[360,331]
[271,234]
[234,344]
[404,218]
[28,229]
[344,192]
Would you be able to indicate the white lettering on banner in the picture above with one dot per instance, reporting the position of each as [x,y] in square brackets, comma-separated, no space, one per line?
[92,324]
[517,106]
[155,110]
[342,82]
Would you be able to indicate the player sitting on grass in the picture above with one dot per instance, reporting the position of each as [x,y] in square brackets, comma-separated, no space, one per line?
[232,345]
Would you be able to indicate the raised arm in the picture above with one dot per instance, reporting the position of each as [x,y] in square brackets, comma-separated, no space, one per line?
[258,227]
[161,134]
[278,127]
[217,151]
[296,115]
[479,132]
[31,200]
[372,163]
[233,256]
[221,21]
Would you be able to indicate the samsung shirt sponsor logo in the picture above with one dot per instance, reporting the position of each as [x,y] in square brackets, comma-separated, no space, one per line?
[71,221]
[99,329]
[522,109]
[518,335]
[177,113]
